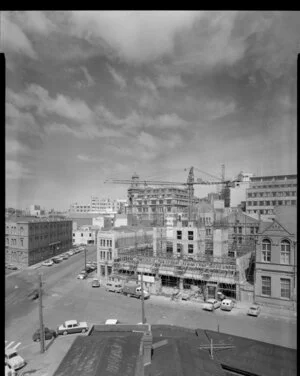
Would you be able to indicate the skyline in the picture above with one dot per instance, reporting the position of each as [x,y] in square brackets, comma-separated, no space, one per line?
[94,95]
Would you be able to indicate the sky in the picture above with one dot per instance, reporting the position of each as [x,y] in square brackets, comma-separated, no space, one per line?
[93,95]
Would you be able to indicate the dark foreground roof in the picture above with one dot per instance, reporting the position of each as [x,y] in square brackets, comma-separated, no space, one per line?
[115,350]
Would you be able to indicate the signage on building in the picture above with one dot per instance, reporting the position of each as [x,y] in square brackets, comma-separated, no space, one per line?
[147,278]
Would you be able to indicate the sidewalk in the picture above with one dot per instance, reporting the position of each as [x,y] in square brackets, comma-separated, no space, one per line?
[239,308]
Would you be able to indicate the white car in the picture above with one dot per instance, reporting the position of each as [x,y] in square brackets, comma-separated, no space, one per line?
[254,310]
[13,359]
[82,275]
[111,322]
[211,304]
[9,371]
[70,253]
[48,263]
[72,326]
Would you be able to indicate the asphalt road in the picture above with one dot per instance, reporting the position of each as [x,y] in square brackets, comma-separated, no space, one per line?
[69,298]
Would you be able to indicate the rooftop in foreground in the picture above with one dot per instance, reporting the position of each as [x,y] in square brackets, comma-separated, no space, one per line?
[122,350]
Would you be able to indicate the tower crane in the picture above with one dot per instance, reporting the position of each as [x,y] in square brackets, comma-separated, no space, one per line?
[137,184]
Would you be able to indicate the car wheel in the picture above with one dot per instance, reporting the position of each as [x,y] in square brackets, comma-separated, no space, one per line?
[65,333]
[83,331]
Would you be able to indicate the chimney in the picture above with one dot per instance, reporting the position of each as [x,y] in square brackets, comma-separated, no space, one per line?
[147,347]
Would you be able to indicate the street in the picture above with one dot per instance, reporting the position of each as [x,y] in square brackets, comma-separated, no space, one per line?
[67,298]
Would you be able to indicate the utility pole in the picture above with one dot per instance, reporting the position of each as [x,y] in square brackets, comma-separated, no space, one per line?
[85,258]
[142,296]
[42,334]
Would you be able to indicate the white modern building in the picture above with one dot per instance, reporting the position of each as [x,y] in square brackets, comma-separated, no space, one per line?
[238,193]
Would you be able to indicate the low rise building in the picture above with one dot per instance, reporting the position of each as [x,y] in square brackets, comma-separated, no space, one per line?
[119,241]
[30,240]
[276,261]
[86,235]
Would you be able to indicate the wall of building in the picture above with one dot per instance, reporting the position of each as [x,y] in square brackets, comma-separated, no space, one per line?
[220,242]
[84,235]
[29,242]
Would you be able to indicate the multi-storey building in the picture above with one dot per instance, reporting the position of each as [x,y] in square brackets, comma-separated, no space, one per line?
[115,242]
[238,193]
[267,192]
[150,203]
[29,240]
[79,208]
[276,260]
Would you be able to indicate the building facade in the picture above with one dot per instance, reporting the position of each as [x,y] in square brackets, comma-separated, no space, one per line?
[86,235]
[267,192]
[238,193]
[276,262]
[115,242]
[30,240]
[150,203]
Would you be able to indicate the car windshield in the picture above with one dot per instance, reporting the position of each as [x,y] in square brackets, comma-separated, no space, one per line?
[254,308]
[13,355]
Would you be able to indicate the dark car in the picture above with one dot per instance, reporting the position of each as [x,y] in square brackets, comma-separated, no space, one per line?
[33,295]
[49,334]
[56,260]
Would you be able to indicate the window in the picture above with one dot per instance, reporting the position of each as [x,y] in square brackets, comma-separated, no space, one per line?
[179,235]
[285,252]
[81,234]
[249,203]
[285,287]
[191,248]
[90,235]
[268,203]
[190,235]
[22,242]
[266,250]
[208,231]
[240,230]
[249,194]
[266,286]
[110,243]
[73,234]
[252,230]
[240,240]
[279,202]
[293,202]
[179,248]
[254,203]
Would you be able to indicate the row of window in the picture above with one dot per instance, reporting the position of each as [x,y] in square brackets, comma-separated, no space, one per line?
[285,287]
[82,235]
[272,194]
[105,242]
[285,251]
[273,203]
[179,248]
[105,255]
[190,235]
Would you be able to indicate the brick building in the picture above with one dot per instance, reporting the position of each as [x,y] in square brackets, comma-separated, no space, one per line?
[276,260]
[29,240]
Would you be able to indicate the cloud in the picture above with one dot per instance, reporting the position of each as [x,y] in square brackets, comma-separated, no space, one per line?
[146,83]
[16,148]
[34,21]
[170,81]
[170,121]
[118,78]
[37,97]
[84,132]
[15,40]
[88,82]
[21,121]
[15,170]
[136,37]
[86,158]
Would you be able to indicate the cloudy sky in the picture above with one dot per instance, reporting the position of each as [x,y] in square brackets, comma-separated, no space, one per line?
[95,95]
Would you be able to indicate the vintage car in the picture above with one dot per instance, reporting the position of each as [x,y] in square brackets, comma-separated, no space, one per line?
[49,334]
[13,359]
[211,304]
[254,310]
[72,326]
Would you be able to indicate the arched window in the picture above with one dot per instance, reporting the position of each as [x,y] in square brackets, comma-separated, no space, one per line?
[285,252]
[266,250]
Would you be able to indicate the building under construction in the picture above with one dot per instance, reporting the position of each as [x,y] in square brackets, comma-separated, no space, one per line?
[194,262]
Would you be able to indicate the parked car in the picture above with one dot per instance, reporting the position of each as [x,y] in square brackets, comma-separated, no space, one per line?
[70,253]
[13,359]
[211,304]
[112,322]
[227,305]
[72,326]
[9,371]
[33,294]
[95,283]
[49,334]
[65,256]
[254,310]
[56,260]
[12,267]
[221,296]
[82,275]
[48,263]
